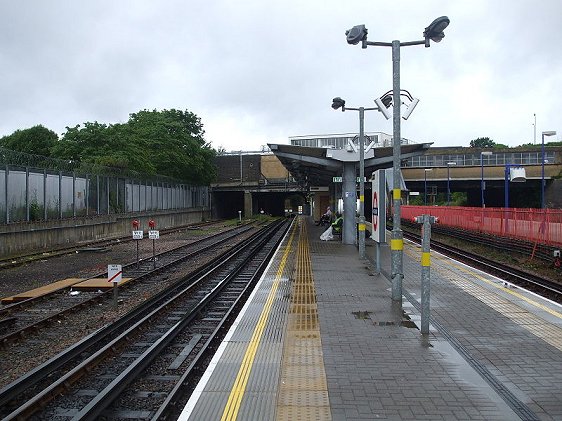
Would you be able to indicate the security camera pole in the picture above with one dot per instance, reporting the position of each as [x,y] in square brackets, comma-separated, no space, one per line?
[358,34]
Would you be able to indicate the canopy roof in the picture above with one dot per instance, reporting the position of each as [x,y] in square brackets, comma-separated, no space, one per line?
[317,166]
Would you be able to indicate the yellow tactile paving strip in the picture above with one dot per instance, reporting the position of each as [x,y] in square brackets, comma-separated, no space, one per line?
[303,390]
[536,325]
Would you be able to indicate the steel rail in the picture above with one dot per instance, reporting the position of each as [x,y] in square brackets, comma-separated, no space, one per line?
[111,392]
[144,311]
[15,261]
[10,337]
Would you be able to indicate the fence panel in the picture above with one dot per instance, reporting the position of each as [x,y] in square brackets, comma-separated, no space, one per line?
[538,225]
[36,194]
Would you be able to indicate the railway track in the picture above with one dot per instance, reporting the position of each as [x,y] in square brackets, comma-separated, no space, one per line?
[97,245]
[19,320]
[546,288]
[141,365]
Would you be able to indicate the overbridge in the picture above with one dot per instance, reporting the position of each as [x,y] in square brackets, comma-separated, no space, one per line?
[289,176]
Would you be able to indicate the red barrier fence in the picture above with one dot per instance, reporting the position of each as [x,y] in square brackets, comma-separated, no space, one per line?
[537,225]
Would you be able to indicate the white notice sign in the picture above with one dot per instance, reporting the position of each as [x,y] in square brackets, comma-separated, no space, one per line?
[137,235]
[154,234]
[114,273]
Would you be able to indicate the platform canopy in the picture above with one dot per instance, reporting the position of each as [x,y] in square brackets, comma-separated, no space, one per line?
[318,166]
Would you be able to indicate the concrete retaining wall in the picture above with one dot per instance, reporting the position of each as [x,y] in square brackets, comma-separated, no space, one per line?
[22,238]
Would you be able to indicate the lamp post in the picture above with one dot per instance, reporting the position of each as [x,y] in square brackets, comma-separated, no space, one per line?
[358,34]
[340,103]
[482,186]
[425,171]
[449,181]
[547,133]
[535,129]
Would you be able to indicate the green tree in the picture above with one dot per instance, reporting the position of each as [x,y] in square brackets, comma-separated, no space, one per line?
[97,143]
[37,140]
[167,142]
[482,142]
[175,143]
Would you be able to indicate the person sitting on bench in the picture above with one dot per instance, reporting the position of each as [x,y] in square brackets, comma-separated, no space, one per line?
[337,224]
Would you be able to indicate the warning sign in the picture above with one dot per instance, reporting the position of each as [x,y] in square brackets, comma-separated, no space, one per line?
[378,224]
[114,273]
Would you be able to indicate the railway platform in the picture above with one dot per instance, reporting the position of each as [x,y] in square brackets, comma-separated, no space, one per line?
[321,339]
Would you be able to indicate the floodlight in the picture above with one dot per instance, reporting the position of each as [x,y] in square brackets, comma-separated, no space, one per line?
[410,108]
[382,108]
[387,100]
[350,147]
[337,102]
[435,29]
[356,34]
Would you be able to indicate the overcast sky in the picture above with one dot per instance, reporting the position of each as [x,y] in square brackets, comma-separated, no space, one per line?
[259,71]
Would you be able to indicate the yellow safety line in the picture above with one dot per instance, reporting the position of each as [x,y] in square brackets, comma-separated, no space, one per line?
[499,287]
[515,294]
[236,394]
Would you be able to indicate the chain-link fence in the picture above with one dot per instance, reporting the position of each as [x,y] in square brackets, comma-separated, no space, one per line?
[34,188]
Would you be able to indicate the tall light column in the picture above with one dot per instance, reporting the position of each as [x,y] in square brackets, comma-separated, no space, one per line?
[482,187]
[547,133]
[535,130]
[449,181]
[425,171]
[361,182]
[340,103]
[358,34]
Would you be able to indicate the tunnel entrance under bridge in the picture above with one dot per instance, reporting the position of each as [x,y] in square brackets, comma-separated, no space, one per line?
[226,204]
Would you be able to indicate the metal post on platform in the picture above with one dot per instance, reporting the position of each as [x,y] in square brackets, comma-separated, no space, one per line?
[426,284]
[426,221]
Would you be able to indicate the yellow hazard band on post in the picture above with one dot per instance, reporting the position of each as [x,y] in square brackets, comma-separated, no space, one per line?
[396,244]
[361,227]
[396,194]
[425,259]
[361,198]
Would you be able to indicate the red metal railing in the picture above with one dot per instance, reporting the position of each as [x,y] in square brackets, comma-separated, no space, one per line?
[543,226]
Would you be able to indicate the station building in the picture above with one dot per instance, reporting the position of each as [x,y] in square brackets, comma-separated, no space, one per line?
[302,177]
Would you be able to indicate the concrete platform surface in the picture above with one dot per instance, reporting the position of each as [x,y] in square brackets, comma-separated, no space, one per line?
[323,322]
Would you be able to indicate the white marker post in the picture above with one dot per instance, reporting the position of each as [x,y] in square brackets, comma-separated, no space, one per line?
[137,235]
[114,273]
[154,235]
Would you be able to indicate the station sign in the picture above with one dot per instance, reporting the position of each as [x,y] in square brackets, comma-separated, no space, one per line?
[340,179]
